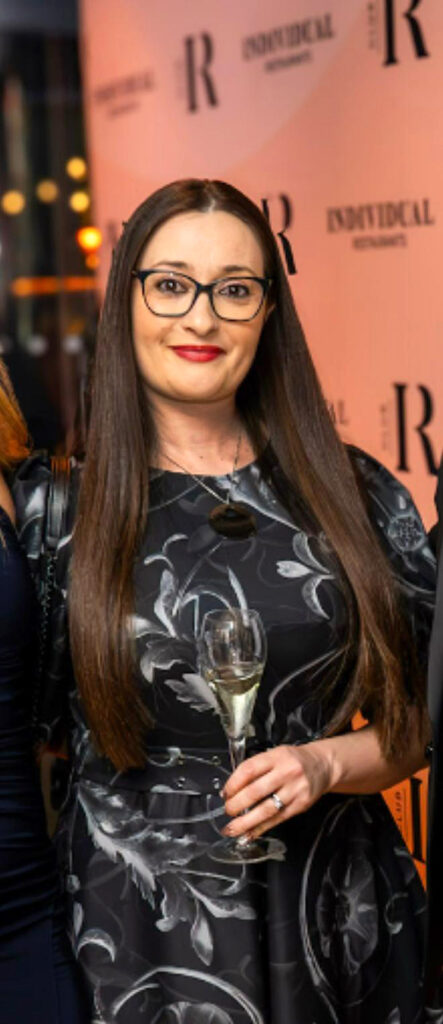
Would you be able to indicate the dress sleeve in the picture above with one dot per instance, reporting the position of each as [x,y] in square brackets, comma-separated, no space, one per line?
[29,486]
[403,538]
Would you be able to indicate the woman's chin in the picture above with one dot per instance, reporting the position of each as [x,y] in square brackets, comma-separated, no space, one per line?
[197,397]
[197,392]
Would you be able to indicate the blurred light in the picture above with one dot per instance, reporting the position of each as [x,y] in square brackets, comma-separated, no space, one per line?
[13,202]
[36,345]
[46,190]
[79,201]
[89,239]
[77,325]
[22,287]
[72,344]
[92,261]
[76,167]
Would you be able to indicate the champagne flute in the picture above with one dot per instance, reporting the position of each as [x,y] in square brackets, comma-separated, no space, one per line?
[232,654]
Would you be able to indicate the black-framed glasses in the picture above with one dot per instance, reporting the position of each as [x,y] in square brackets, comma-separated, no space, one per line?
[168,293]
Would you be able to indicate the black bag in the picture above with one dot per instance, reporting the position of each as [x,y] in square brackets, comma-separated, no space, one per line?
[42,488]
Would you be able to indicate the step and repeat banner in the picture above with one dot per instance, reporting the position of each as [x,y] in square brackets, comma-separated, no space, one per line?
[328,114]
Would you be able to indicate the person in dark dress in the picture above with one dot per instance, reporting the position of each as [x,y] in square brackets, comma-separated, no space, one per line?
[214,478]
[39,980]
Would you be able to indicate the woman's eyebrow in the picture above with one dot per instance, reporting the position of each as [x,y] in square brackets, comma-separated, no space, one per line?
[230,268]
[234,268]
[178,264]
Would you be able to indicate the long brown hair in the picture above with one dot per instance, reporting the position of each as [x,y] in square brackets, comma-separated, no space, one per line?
[14,440]
[281,398]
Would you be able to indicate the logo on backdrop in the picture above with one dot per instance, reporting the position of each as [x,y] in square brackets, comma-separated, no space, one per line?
[405,429]
[200,84]
[416,37]
[290,44]
[280,213]
[397,25]
[339,413]
[380,225]
[124,94]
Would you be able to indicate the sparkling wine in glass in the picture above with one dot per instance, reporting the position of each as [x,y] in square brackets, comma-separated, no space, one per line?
[232,655]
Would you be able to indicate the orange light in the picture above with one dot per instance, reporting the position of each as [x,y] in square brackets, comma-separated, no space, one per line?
[92,261]
[89,239]
[13,202]
[79,201]
[47,191]
[76,167]
[22,287]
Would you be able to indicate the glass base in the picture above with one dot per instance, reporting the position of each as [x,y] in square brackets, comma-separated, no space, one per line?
[233,851]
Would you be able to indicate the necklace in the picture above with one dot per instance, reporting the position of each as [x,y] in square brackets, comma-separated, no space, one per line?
[229,518]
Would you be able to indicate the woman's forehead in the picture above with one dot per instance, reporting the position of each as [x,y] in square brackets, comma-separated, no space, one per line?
[201,238]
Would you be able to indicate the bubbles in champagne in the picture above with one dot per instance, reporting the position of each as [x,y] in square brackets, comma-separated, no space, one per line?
[235,688]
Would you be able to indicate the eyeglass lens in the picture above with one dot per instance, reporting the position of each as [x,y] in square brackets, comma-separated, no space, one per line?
[173,295]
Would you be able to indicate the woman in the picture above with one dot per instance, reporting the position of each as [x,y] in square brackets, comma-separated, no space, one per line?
[204,394]
[38,976]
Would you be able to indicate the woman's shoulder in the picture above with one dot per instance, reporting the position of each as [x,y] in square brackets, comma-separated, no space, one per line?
[33,474]
[379,484]
[30,488]
[373,473]
[391,508]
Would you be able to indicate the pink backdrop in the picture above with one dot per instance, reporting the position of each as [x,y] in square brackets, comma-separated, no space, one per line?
[331,112]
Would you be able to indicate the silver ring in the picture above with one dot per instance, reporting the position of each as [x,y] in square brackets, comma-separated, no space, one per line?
[278,803]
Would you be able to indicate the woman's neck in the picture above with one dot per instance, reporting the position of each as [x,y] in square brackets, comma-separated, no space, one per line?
[200,438]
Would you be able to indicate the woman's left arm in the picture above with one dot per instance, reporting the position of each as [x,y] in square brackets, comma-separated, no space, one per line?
[353,762]
[300,775]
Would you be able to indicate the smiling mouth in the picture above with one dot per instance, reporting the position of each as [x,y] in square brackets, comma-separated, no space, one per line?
[197,353]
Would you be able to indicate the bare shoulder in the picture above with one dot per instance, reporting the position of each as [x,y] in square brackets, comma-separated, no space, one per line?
[5,498]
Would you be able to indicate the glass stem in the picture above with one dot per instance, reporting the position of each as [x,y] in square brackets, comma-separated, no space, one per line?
[237,750]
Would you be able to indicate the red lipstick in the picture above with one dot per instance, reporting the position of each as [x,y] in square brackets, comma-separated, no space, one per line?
[197,353]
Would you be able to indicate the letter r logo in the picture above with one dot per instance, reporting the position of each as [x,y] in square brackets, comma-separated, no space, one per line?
[194,72]
[286,214]
[414,26]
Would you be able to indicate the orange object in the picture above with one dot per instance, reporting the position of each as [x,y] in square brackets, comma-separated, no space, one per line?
[89,238]
[22,287]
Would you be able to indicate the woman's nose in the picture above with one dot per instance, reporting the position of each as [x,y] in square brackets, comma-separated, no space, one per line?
[201,316]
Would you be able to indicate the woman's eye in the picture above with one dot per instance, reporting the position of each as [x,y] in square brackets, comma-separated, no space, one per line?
[235,290]
[170,286]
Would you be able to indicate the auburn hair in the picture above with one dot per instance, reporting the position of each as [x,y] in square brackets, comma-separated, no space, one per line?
[14,440]
[280,399]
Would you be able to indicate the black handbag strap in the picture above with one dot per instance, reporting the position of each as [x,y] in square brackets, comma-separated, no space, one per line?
[55,525]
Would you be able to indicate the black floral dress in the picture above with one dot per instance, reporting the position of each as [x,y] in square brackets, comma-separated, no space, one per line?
[332,933]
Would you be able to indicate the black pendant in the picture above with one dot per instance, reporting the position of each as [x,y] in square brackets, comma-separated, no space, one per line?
[233,520]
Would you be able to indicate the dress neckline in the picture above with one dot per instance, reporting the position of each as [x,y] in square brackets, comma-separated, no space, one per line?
[155,472]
